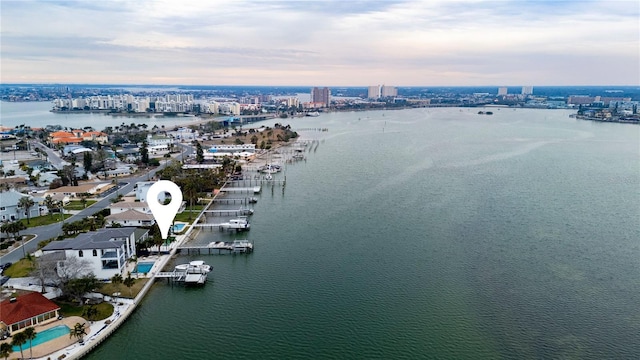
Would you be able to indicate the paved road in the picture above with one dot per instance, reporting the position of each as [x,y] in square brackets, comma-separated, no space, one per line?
[53,230]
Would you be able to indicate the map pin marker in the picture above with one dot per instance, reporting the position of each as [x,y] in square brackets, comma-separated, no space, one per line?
[164,214]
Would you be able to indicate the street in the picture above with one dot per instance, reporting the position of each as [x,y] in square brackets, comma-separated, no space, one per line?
[53,230]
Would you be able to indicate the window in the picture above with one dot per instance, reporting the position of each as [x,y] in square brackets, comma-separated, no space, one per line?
[95,252]
[80,254]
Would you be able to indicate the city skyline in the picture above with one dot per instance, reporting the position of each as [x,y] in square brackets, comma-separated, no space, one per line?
[327,43]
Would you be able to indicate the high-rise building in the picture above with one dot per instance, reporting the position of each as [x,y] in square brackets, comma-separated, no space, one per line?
[527,90]
[502,90]
[388,91]
[374,92]
[321,95]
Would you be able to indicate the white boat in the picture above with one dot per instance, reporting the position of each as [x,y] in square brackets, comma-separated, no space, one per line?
[194,267]
[314,114]
[242,246]
[240,223]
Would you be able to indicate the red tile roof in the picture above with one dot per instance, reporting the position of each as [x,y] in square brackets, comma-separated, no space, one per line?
[25,307]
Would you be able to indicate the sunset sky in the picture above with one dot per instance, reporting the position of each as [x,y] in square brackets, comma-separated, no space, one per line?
[324,43]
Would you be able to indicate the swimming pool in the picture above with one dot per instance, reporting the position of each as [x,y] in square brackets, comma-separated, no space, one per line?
[143,267]
[178,227]
[44,336]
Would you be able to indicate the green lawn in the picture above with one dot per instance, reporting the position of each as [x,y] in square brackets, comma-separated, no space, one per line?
[105,309]
[109,289]
[22,268]
[184,216]
[77,204]
[44,220]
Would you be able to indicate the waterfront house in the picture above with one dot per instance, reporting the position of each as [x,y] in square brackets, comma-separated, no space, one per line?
[27,310]
[106,251]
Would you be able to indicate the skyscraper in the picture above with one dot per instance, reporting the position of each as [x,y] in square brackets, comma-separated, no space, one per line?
[321,95]
[502,90]
[374,92]
[388,91]
[527,90]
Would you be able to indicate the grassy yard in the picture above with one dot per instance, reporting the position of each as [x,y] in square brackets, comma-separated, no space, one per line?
[22,268]
[105,309]
[109,289]
[77,204]
[184,216]
[44,220]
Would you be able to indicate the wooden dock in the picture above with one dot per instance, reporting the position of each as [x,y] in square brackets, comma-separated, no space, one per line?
[230,212]
[219,248]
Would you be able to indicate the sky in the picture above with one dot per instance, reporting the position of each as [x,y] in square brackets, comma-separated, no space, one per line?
[321,43]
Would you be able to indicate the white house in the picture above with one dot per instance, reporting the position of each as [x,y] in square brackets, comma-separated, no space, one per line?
[184,133]
[130,218]
[155,140]
[141,189]
[9,210]
[122,206]
[106,251]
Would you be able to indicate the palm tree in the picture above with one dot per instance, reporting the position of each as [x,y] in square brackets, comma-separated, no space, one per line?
[51,204]
[26,203]
[128,282]
[19,339]
[78,331]
[5,350]
[116,280]
[30,334]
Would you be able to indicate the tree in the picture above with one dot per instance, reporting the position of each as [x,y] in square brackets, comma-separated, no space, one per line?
[144,153]
[15,228]
[199,153]
[51,204]
[77,288]
[87,161]
[90,312]
[78,331]
[45,270]
[30,334]
[19,339]
[128,282]
[26,203]
[117,280]
[5,350]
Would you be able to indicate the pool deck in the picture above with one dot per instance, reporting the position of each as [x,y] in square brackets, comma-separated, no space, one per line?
[51,346]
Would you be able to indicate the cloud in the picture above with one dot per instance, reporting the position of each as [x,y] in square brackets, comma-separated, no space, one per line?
[337,43]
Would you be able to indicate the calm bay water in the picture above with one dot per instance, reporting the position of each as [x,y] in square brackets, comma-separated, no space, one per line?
[426,233]
[37,114]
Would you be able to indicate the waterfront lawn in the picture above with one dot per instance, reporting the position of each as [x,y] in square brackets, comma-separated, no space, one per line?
[22,268]
[109,289]
[77,204]
[43,220]
[184,216]
[105,309]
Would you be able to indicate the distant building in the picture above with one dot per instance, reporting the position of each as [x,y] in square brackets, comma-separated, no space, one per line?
[374,92]
[321,95]
[527,90]
[388,91]
[502,90]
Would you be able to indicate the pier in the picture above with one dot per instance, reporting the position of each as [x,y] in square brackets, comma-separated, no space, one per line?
[219,248]
[230,212]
